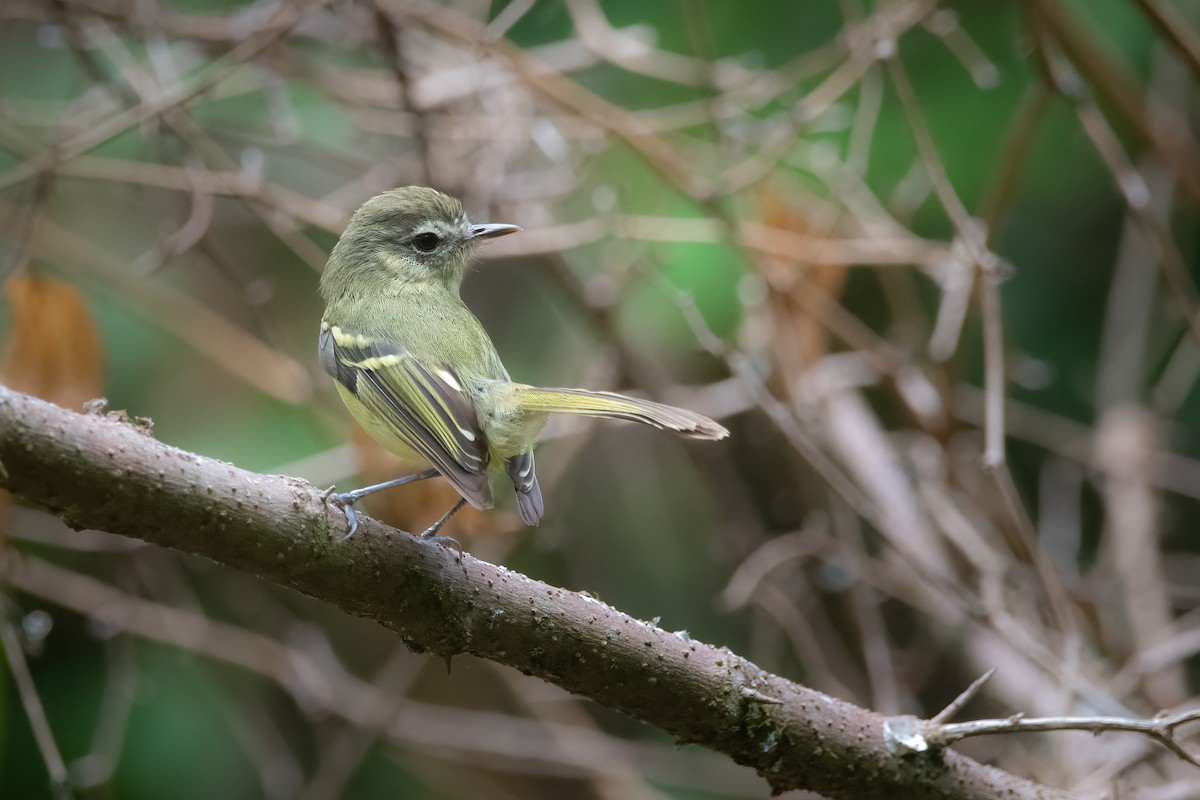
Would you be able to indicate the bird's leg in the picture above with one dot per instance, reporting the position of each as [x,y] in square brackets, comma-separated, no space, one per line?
[347,499]
[446,541]
[359,494]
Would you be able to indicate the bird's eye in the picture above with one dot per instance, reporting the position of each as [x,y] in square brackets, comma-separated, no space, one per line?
[426,242]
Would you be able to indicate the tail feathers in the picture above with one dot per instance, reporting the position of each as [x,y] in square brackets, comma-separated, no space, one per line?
[525,482]
[618,406]
[529,504]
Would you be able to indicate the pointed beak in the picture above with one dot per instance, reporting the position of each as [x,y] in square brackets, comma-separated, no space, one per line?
[491,230]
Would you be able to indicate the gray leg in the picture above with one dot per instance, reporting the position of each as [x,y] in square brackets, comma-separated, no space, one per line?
[347,499]
[447,541]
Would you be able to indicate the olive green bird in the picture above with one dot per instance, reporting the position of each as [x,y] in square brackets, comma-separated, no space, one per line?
[420,374]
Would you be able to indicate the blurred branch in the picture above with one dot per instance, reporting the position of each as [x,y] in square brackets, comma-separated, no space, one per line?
[1165,130]
[35,712]
[225,344]
[1176,29]
[101,471]
[177,95]
[208,181]
[319,682]
[559,88]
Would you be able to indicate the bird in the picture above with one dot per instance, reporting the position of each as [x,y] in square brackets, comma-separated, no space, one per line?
[419,373]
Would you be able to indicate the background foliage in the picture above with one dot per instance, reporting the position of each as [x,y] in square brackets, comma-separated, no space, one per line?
[841,227]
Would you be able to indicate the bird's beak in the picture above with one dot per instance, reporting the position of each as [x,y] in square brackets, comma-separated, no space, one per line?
[491,230]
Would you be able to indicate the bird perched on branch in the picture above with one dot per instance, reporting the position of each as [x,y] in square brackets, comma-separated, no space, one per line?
[419,372]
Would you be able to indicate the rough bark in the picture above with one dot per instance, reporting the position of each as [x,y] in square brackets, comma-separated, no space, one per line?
[106,472]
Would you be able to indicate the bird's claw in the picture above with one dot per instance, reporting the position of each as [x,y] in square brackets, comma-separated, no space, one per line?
[346,500]
[431,535]
[352,519]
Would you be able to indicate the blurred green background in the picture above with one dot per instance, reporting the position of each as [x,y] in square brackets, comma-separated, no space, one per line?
[639,146]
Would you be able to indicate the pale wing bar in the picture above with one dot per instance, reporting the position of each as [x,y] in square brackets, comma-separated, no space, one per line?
[425,407]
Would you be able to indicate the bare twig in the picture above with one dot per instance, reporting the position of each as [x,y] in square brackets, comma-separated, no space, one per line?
[960,702]
[1162,728]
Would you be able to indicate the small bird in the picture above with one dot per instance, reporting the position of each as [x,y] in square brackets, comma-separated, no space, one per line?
[419,373]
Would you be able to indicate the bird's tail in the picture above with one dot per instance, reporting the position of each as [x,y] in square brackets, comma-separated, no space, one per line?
[618,406]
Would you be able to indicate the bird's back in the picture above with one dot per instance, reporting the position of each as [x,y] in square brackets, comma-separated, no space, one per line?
[438,329]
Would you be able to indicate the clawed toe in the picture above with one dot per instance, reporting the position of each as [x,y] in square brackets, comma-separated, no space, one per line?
[352,519]
[431,535]
[346,500]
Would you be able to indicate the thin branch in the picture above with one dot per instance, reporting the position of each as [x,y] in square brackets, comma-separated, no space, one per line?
[318,680]
[1165,130]
[1176,29]
[957,704]
[1161,728]
[225,344]
[276,27]
[35,712]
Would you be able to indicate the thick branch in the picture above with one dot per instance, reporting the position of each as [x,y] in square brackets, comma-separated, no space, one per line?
[104,472]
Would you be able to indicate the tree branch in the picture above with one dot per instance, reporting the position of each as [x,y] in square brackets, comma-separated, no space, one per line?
[104,471]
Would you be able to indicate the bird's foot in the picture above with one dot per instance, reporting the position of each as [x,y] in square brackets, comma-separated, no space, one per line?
[430,534]
[346,500]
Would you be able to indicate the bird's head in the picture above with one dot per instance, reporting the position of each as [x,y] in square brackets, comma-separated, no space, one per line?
[409,234]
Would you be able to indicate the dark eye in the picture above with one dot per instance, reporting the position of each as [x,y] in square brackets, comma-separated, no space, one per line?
[426,242]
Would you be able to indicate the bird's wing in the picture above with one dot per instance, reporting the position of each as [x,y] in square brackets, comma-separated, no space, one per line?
[424,405]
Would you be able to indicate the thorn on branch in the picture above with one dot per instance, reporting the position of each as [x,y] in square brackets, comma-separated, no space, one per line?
[967,695]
